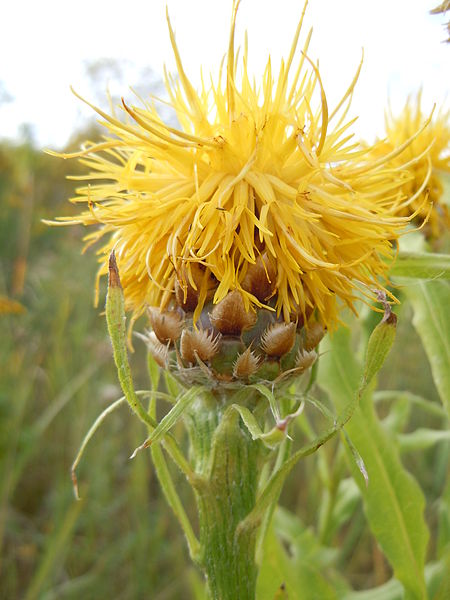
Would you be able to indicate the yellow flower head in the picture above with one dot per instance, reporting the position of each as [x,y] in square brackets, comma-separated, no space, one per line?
[426,159]
[256,176]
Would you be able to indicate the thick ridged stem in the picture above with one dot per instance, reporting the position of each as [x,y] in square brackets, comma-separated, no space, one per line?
[228,461]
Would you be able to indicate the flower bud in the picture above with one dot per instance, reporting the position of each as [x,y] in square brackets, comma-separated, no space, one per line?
[313,334]
[230,317]
[167,325]
[278,339]
[302,316]
[159,352]
[305,360]
[198,342]
[246,364]
[187,294]
[260,279]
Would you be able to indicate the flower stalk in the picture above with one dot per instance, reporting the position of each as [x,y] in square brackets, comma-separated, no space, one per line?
[230,462]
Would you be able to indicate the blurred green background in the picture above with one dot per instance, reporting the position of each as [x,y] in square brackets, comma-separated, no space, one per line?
[56,377]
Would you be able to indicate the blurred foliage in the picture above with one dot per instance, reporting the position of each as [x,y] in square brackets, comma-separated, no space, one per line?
[121,541]
[57,374]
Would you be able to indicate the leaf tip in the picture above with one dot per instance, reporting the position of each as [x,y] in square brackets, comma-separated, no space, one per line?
[114,279]
[390,318]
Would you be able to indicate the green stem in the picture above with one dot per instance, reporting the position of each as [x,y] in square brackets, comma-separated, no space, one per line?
[228,461]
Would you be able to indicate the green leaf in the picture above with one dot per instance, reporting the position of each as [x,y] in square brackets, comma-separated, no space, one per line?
[379,346]
[173,387]
[153,371]
[170,419]
[301,580]
[268,394]
[197,584]
[171,495]
[359,462]
[169,489]
[347,499]
[443,541]
[302,540]
[433,408]
[271,439]
[115,319]
[391,590]
[98,421]
[417,265]
[420,439]
[436,576]
[430,302]
[393,501]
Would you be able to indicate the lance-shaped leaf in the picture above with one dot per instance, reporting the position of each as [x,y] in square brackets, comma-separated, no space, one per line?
[421,265]
[436,577]
[153,371]
[430,302]
[170,492]
[269,395]
[432,408]
[422,438]
[170,419]
[272,438]
[94,427]
[393,501]
[379,346]
[115,319]
[282,577]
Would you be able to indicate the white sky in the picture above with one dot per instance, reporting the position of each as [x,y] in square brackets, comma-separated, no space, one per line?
[45,44]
